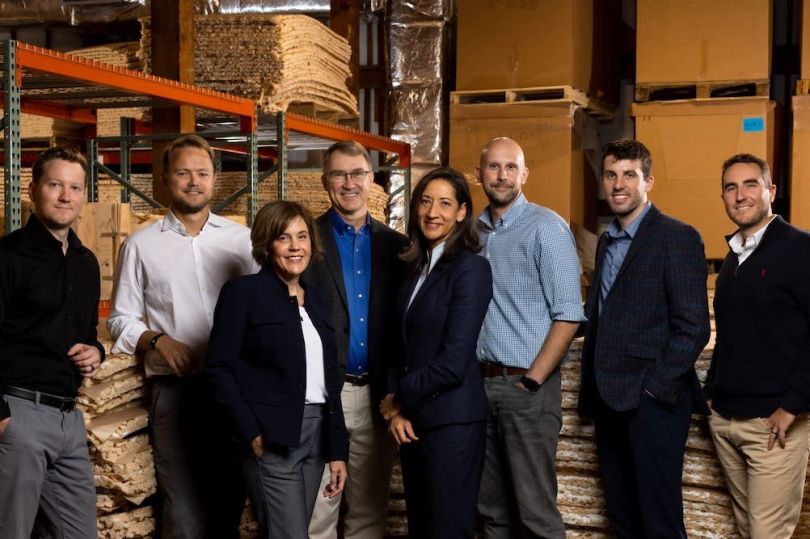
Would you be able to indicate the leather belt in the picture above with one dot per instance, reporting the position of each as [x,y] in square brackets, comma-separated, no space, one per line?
[62,404]
[497,369]
[358,379]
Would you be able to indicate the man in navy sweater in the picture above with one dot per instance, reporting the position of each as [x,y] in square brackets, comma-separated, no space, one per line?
[758,384]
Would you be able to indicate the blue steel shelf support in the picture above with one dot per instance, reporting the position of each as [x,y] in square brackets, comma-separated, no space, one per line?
[11,142]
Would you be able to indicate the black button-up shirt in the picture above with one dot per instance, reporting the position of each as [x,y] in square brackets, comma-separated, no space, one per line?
[48,303]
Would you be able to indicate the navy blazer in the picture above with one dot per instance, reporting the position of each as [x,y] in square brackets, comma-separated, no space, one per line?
[387,274]
[256,362]
[654,322]
[440,381]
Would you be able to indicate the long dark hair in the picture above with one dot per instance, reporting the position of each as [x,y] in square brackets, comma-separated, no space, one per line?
[464,235]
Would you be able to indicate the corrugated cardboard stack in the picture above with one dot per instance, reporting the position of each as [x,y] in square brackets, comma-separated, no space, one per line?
[704,98]
[528,80]
[799,164]
[116,417]
[276,60]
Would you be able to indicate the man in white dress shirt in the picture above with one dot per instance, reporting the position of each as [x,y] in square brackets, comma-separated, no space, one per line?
[168,279]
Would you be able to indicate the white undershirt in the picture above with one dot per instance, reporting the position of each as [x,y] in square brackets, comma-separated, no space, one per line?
[435,254]
[316,382]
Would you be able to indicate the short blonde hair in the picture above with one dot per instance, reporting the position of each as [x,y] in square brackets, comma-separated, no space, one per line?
[186,141]
[271,222]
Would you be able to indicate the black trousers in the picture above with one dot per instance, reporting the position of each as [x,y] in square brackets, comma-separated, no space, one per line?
[442,473]
[641,458]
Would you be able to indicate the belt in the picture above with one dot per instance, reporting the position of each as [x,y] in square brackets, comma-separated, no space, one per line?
[497,369]
[63,404]
[358,379]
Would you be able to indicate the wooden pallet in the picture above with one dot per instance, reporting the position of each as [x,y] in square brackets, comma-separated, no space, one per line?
[548,94]
[322,112]
[701,90]
[803,87]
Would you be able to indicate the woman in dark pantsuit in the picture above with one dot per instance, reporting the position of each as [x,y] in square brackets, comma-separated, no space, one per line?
[272,364]
[437,407]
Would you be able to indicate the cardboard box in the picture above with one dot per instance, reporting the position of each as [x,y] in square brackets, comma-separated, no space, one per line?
[559,142]
[699,40]
[689,140]
[800,163]
[529,43]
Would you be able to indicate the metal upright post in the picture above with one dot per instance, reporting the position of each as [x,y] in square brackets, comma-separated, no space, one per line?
[127,130]
[11,142]
[253,176]
[281,132]
[92,170]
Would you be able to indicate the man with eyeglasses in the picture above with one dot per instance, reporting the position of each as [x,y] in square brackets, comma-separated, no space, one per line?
[360,273]
[535,311]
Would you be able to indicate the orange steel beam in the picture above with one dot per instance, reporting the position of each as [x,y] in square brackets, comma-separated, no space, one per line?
[327,130]
[135,82]
[58,111]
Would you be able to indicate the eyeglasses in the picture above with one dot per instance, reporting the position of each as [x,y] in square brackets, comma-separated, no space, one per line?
[339,175]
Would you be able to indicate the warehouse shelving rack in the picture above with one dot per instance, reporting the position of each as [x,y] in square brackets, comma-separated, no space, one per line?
[61,86]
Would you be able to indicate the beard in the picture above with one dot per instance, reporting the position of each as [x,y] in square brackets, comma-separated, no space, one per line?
[501,199]
[186,208]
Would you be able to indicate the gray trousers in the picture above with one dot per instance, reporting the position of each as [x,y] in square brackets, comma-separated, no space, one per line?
[518,496]
[45,468]
[197,470]
[284,483]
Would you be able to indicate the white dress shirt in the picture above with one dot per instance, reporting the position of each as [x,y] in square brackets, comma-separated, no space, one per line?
[744,247]
[169,281]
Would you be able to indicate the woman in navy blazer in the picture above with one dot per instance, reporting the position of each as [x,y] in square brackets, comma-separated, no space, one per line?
[437,408]
[272,365]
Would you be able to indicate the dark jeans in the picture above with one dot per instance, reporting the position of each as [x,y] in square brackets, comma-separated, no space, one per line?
[641,458]
[519,487]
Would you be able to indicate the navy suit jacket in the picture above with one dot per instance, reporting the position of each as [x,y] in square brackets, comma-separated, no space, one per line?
[654,322]
[387,274]
[440,381]
[256,362]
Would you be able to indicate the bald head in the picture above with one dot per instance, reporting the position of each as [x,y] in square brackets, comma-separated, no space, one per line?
[502,172]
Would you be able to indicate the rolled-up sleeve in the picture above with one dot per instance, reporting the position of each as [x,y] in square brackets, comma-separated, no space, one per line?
[559,271]
[127,313]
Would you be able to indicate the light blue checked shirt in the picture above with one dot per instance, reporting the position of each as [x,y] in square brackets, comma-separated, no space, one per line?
[535,274]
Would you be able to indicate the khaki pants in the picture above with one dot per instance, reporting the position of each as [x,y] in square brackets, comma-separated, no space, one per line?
[371,457]
[766,486]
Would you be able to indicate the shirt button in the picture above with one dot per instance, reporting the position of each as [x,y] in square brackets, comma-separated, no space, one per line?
[359,295]
[359,272]
[362,344]
[362,319]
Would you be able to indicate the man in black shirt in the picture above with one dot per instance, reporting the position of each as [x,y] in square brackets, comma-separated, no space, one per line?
[759,379]
[49,291]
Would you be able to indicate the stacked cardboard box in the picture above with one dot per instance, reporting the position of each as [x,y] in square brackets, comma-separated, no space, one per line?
[689,140]
[695,41]
[560,144]
[800,163]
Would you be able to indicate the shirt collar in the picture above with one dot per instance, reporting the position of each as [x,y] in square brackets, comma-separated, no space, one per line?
[171,222]
[341,226]
[41,237]
[435,254]
[615,232]
[511,215]
[738,244]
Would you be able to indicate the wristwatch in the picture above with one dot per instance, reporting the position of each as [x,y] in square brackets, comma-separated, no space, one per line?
[530,384]
[153,341]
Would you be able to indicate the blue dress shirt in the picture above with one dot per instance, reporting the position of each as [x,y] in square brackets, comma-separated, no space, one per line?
[354,248]
[618,243]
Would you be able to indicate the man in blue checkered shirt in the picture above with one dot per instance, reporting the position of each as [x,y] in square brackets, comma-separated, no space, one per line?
[535,312]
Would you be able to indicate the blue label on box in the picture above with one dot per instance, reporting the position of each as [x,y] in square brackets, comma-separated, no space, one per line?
[753,125]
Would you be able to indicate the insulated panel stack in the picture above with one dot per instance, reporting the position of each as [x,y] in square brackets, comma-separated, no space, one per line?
[116,417]
[702,96]
[276,60]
